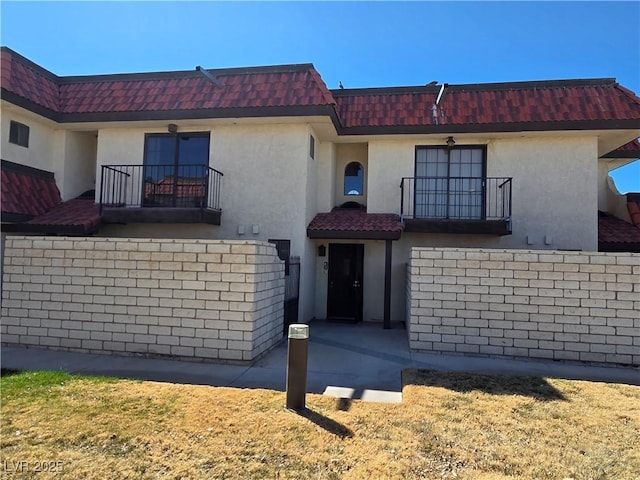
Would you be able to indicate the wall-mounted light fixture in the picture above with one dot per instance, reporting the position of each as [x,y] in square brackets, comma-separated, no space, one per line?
[322,251]
[450,142]
[172,127]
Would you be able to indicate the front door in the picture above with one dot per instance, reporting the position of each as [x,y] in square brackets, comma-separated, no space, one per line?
[344,298]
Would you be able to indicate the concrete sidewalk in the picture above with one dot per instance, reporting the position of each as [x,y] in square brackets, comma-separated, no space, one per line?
[348,361]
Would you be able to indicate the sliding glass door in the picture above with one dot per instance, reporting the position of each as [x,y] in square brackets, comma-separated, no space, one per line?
[175,169]
[449,183]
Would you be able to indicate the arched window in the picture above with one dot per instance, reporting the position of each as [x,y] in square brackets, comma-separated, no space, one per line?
[353,179]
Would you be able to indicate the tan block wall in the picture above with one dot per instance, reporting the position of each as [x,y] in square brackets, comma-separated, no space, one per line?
[539,304]
[198,299]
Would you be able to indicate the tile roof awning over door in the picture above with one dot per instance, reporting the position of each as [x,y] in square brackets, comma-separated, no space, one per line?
[350,224]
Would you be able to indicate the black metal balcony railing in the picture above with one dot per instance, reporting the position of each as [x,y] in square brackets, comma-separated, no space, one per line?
[456,198]
[141,186]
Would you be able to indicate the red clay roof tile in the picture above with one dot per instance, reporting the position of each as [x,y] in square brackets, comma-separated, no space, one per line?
[31,194]
[27,192]
[522,102]
[354,221]
[278,86]
[29,81]
[628,150]
[529,105]
[617,235]
[77,216]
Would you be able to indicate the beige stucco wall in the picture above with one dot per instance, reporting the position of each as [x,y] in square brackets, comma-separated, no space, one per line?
[326,171]
[79,166]
[45,142]
[555,197]
[554,186]
[70,155]
[119,146]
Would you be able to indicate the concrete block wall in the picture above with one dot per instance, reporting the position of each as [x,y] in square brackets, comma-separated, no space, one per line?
[579,306]
[196,299]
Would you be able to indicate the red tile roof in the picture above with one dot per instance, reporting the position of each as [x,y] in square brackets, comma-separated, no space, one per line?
[290,86]
[31,203]
[617,235]
[257,87]
[628,150]
[27,192]
[490,104]
[26,79]
[355,223]
[75,217]
[299,90]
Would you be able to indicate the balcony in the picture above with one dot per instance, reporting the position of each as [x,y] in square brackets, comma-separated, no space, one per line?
[469,205]
[160,194]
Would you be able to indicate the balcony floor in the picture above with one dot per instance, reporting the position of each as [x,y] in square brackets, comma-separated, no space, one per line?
[160,215]
[483,227]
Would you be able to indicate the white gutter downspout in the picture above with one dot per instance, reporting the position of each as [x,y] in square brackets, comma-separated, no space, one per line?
[434,108]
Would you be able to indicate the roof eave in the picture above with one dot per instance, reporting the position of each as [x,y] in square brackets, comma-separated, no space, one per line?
[614,124]
[353,235]
[143,115]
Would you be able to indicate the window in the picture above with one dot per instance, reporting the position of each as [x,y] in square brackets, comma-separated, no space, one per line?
[450,183]
[354,179]
[175,170]
[19,134]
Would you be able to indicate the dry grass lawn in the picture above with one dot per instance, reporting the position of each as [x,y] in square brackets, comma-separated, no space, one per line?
[449,426]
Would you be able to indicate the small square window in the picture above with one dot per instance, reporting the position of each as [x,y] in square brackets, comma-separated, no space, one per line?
[312,147]
[18,134]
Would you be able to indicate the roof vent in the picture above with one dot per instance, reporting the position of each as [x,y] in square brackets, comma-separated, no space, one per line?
[209,77]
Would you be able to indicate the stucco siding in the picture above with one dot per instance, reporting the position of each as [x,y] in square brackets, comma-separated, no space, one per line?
[79,166]
[326,167]
[264,182]
[554,191]
[45,142]
[118,146]
[554,199]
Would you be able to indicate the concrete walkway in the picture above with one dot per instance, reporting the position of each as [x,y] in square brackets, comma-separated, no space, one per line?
[347,361]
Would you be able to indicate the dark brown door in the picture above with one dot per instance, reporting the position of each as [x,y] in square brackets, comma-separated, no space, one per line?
[344,299]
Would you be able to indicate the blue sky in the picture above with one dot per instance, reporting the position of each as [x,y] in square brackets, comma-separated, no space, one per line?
[361,44]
